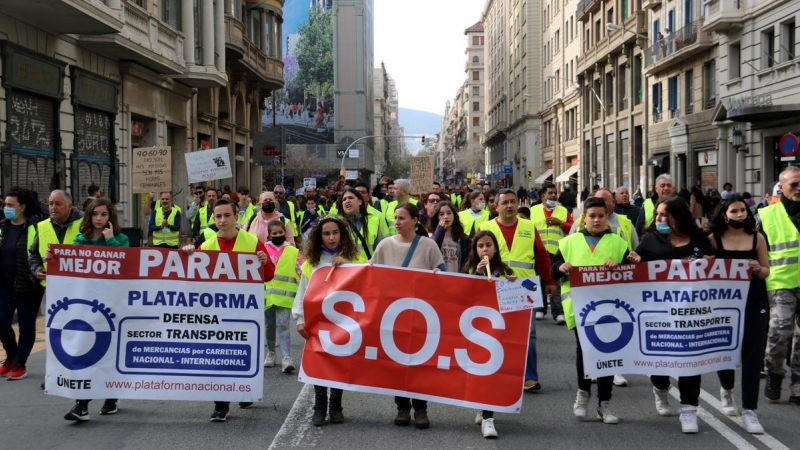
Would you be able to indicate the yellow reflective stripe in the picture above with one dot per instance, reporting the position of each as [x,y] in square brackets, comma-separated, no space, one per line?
[284,278]
[783,246]
[281,292]
[521,265]
[783,261]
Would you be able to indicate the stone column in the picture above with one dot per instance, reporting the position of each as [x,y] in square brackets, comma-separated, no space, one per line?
[207,30]
[114,4]
[265,22]
[219,36]
[187,25]
[279,39]
[722,157]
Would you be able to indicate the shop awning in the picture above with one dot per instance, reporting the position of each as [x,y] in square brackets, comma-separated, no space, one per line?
[564,177]
[657,160]
[543,177]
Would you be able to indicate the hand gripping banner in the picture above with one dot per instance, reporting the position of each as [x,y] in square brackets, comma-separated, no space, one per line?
[437,337]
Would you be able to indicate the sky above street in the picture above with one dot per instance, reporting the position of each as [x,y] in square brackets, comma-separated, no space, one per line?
[422,44]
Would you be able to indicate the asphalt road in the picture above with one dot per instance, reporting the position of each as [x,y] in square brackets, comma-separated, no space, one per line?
[30,419]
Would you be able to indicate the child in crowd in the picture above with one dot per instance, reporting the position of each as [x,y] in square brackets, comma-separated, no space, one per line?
[484,253]
[594,245]
[280,292]
[330,242]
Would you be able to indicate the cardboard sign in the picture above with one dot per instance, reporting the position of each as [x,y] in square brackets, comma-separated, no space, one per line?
[151,170]
[421,174]
[208,165]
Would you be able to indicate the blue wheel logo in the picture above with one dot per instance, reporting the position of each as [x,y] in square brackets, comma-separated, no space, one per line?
[86,327]
[606,312]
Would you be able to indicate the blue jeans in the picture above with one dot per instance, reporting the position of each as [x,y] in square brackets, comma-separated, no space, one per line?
[531,372]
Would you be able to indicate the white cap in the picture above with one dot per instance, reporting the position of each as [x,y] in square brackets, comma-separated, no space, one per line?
[776,191]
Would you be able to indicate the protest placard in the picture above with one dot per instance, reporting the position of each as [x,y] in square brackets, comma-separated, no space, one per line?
[421,174]
[518,295]
[208,165]
[151,169]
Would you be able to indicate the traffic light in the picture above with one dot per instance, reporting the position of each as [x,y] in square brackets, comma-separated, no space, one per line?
[423,140]
[529,175]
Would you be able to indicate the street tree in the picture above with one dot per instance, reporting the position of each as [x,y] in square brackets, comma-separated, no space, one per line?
[314,53]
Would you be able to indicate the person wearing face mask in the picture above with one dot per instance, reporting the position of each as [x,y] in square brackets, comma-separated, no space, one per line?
[780,224]
[165,223]
[734,237]
[474,212]
[673,235]
[553,222]
[259,223]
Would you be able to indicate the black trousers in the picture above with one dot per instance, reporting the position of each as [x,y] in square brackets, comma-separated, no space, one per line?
[689,387]
[406,404]
[604,384]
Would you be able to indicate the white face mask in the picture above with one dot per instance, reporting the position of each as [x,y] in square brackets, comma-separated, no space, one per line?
[551,203]
[480,206]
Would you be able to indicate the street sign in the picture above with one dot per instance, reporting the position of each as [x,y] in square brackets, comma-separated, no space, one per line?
[353,153]
[351,175]
[788,147]
[507,169]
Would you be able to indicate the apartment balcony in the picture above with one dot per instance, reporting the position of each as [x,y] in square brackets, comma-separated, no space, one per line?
[722,15]
[144,40]
[635,23]
[586,7]
[245,57]
[495,134]
[68,16]
[650,4]
[678,47]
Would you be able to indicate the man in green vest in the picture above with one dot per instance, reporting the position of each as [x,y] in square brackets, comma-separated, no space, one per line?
[62,227]
[401,190]
[205,214]
[664,189]
[553,222]
[780,224]
[246,206]
[165,223]
[523,251]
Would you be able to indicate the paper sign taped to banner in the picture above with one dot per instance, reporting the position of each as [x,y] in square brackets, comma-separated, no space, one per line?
[154,324]
[437,337]
[671,317]
[518,295]
[208,165]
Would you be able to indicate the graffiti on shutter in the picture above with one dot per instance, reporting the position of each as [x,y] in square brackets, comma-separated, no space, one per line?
[93,149]
[31,130]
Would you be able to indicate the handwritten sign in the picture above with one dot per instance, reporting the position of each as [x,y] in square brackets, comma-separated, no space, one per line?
[151,170]
[207,165]
[518,295]
[421,174]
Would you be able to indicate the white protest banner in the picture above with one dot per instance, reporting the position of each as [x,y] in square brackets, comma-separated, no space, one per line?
[421,174]
[154,324]
[670,317]
[518,295]
[151,170]
[207,165]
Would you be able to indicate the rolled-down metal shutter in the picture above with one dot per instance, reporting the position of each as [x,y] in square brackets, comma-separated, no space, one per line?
[34,163]
[94,154]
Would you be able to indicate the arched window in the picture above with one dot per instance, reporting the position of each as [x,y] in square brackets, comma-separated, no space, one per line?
[475,59]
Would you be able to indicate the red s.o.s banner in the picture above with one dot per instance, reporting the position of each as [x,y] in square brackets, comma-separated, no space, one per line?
[437,337]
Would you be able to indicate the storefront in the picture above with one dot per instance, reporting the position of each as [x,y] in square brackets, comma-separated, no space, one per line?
[708,170]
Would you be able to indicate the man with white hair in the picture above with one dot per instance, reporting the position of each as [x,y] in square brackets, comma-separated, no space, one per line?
[401,193]
[664,188]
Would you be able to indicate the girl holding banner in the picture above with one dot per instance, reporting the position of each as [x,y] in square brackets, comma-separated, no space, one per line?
[734,237]
[99,227]
[484,260]
[595,244]
[674,235]
[330,242]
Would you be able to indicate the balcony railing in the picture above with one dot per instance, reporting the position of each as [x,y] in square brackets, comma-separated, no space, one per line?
[585,7]
[672,44]
[657,116]
[710,103]
[690,109]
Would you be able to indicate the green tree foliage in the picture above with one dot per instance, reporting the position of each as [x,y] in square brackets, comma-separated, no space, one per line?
[398,167]
[314,53]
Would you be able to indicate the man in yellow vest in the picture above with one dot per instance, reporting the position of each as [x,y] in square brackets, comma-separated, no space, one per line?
[523,251]
[62,227]
[664,189]
[401,190]
[165,223]
[553,222]
[780,224]
[246,206]
[204,216]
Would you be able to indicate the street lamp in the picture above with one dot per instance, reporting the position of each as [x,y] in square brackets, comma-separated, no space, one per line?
[738,140]
[614,27]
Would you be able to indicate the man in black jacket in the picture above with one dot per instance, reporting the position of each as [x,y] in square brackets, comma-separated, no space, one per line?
[623,205]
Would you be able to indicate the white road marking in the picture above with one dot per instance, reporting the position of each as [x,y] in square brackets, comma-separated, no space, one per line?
[726,432]
[297,423]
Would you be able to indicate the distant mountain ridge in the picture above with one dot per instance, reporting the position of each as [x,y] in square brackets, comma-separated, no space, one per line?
[418,122]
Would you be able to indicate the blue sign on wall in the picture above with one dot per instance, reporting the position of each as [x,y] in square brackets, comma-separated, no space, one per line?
[507,169]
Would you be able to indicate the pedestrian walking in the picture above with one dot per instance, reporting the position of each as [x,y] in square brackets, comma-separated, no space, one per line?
[329,243]
[594,245]
[474,212]
[449,236]
[365,228]
[100,227]
[165,223]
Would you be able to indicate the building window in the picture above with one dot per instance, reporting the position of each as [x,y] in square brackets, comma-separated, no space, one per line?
[598,31]
[767,49]
[638,80]
[476,121]
[656,103]
[254,31]
[476,90]
[171,13]
[558,40]
[689,92]
[476,75]
[624,10]
[476,106]
[476,40]
[787,41]
[140,3]
[734,61]
[475,60]
[672,96]
[610,15]
[622,87]
[710,84]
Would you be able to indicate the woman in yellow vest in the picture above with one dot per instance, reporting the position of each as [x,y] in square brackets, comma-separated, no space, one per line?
[594,245]
[473,212]
[329,243]
[230,238]
[365,228]
[280,292]
[99,227]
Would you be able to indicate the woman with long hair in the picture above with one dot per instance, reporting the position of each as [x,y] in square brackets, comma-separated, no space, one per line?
[674,235]
[734,236]
[426,213]
[449,236]
[364,227]
[330,242]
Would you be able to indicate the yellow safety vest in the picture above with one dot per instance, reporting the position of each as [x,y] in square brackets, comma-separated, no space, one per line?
[203,217]
[455,200]
[245,243]
[469,223]
[649,212]
[48,237]
[389,213]
[550,234]
[521,257]
[172,237]
[784,249]
[577,252]
[283,287]
[246,213]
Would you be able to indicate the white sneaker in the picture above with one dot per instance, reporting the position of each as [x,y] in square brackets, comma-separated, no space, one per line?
[728,405]
[604,413]
[619,380]
[487,429]
[751,423]
[287,365]
[662,401]
[579,408]
[479,417]
[539,315]
[269,360]
[560,319]
[689,419]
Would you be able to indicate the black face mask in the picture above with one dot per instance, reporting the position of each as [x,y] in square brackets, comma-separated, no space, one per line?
[277,241]
[268,207]
[735,224]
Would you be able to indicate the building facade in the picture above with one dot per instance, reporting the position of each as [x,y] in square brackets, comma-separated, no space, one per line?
[470,153]
[380,90]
